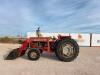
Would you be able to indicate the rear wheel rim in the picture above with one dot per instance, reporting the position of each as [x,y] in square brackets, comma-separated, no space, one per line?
[67,50]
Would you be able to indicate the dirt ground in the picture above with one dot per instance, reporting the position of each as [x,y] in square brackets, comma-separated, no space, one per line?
[87,63]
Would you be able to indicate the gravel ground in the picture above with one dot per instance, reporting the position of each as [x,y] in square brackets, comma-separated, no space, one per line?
[87,63]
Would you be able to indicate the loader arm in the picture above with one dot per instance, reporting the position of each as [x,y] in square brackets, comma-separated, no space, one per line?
[23,47]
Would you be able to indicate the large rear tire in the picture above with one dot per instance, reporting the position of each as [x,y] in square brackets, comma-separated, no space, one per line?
[67,50]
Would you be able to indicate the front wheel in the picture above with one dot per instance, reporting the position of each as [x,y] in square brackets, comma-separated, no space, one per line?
[34,54]
[67,50]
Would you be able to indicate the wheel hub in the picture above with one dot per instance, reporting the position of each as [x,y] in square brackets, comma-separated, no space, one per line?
[33,55]
[68,50]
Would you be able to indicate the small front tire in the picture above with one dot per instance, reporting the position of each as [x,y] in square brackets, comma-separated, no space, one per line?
[34,54]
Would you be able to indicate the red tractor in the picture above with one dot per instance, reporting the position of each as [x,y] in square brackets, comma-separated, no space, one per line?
[65,48]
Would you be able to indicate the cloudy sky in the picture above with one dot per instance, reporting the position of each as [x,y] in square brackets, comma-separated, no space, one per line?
[22,16]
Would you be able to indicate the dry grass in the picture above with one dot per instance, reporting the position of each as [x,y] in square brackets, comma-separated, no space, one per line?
[10,40]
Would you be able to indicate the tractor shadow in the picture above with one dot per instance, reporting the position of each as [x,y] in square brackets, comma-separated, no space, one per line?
[44,55]
[52,56]
[24,57]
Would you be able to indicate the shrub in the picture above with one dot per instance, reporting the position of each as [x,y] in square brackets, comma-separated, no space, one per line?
[20,41]
[8,40]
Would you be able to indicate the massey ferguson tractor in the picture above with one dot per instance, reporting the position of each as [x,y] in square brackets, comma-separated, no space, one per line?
[65,48]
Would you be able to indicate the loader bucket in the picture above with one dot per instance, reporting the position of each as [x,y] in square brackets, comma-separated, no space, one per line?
[18,51]
[13,54]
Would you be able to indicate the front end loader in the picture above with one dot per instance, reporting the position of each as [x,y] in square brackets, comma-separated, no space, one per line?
[65,48]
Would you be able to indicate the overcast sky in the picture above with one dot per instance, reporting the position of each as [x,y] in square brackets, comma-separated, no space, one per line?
[22,16]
